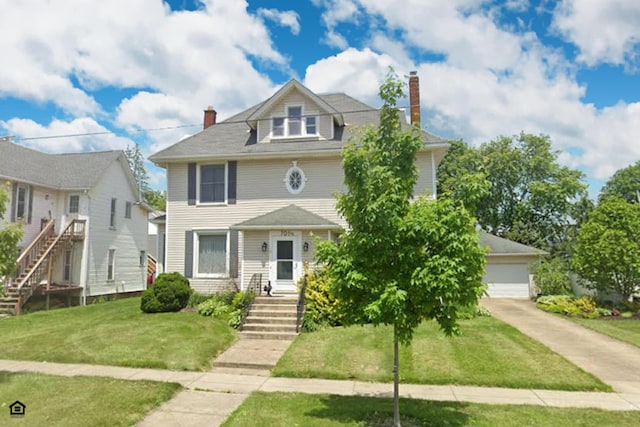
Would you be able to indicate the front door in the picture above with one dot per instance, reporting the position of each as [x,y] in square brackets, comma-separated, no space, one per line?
[284,268]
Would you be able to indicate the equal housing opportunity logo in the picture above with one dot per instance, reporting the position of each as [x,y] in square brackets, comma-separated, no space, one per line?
[17,409]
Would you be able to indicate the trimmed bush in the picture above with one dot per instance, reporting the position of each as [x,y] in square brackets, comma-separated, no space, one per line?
[170,292]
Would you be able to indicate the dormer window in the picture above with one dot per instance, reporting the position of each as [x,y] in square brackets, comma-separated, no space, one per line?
[294,124]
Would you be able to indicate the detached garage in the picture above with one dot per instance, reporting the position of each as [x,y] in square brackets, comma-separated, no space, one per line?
[507,271]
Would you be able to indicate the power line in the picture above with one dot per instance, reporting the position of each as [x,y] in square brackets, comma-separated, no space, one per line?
[226,122]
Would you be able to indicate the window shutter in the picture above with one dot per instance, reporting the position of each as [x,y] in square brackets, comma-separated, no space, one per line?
[233,254]
[14,200]
[30,204]
[188,254]
[191,183]
[233,172]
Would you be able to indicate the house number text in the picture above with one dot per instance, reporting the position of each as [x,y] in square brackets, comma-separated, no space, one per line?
[287,233]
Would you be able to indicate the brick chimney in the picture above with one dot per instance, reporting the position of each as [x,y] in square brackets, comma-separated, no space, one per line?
[414,98]
[209,117]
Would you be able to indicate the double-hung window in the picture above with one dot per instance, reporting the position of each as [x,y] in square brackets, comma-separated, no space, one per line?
[112,217]
[22,201]
[111,265]
[294,123]
[127,210]
[212,183]
[212,254]
[74,203]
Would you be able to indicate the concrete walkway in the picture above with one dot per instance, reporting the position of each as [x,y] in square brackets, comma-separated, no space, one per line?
[614,362]
[210,397]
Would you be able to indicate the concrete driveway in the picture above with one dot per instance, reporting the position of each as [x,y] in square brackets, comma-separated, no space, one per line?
[614,362]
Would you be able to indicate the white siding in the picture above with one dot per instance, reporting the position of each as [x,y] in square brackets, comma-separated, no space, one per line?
[128,238]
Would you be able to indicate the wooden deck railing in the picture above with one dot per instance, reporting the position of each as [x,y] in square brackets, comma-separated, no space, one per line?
[28,280]
[32,251]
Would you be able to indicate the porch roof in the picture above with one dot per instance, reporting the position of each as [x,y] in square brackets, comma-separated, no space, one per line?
[291,217]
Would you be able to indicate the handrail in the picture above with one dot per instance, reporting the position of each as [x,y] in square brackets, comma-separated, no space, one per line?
[301,303]
[34,246]
[255,282]
[70,231]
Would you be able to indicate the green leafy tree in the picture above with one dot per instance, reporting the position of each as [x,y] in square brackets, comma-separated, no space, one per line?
[10,235]
[136,163]
[552,276]
[624,183]
[156,199]
[400,262]
[607,252]
[529,197]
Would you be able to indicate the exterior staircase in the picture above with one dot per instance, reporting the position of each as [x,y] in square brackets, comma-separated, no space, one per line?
[272,318]
[35,263]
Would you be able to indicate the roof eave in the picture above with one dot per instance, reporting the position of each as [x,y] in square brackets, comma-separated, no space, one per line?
[283,226]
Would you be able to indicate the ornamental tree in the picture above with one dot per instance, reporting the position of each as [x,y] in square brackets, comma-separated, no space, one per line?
[403,260]
[607,252]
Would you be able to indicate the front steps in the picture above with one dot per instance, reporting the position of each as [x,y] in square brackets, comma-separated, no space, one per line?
[271,318]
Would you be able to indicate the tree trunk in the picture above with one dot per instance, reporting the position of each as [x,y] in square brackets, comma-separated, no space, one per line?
[396,389]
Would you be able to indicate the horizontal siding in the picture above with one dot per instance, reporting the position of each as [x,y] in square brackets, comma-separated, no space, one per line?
[424,184]
[309,107]
[128,238]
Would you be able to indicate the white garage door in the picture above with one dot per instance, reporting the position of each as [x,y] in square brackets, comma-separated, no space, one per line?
[507,280]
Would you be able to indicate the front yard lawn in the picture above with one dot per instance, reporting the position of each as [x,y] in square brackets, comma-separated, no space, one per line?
[79,401]
[290,409]
[627,330]
[116,333]
[489,353]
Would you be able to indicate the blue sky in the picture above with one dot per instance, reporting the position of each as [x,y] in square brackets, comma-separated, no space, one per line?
[118,72]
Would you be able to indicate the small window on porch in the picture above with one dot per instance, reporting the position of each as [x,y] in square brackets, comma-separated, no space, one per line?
[74,203]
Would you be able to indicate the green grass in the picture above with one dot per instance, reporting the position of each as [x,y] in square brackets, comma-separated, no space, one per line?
[116,333]
[79,401]
[290,409]
[489,353]
[627,330]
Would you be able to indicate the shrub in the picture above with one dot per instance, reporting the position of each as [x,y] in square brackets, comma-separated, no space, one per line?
[552,277]
[475,310]
[584,307]
[170,292]
[321,308]
[240,304]
[213,307]
[196,298]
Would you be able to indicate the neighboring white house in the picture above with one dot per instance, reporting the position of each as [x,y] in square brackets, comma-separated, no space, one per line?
[91,195]
[247,197]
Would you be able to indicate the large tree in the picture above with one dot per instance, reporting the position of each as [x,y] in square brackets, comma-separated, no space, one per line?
[401,261]
[10,235]
[607,252]
[624,183]
[155,198]
[529,197]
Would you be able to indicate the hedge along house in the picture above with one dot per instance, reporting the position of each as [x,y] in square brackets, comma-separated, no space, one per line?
[248,197]
[85,226]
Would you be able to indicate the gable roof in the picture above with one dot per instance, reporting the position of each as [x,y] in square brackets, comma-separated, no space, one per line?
[70,171]
[291,216]
[233,138]
[292,84]
[504,247]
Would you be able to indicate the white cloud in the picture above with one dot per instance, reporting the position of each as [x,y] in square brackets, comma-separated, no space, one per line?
[604,31]
[82,134]
[287,18]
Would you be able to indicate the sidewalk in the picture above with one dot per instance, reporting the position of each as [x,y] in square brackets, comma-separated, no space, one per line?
[210,397]
[616,363]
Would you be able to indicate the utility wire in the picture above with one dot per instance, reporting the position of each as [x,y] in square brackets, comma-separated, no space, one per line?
[225,122]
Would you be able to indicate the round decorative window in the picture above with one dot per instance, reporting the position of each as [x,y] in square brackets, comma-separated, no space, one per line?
[295,179]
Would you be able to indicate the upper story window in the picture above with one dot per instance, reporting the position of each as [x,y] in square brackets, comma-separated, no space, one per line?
[22,200]
[295,123]
[74,203]
[212,183]
[112,217]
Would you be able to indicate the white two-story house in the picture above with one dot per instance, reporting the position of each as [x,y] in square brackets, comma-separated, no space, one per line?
[83,211]
[248,197]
